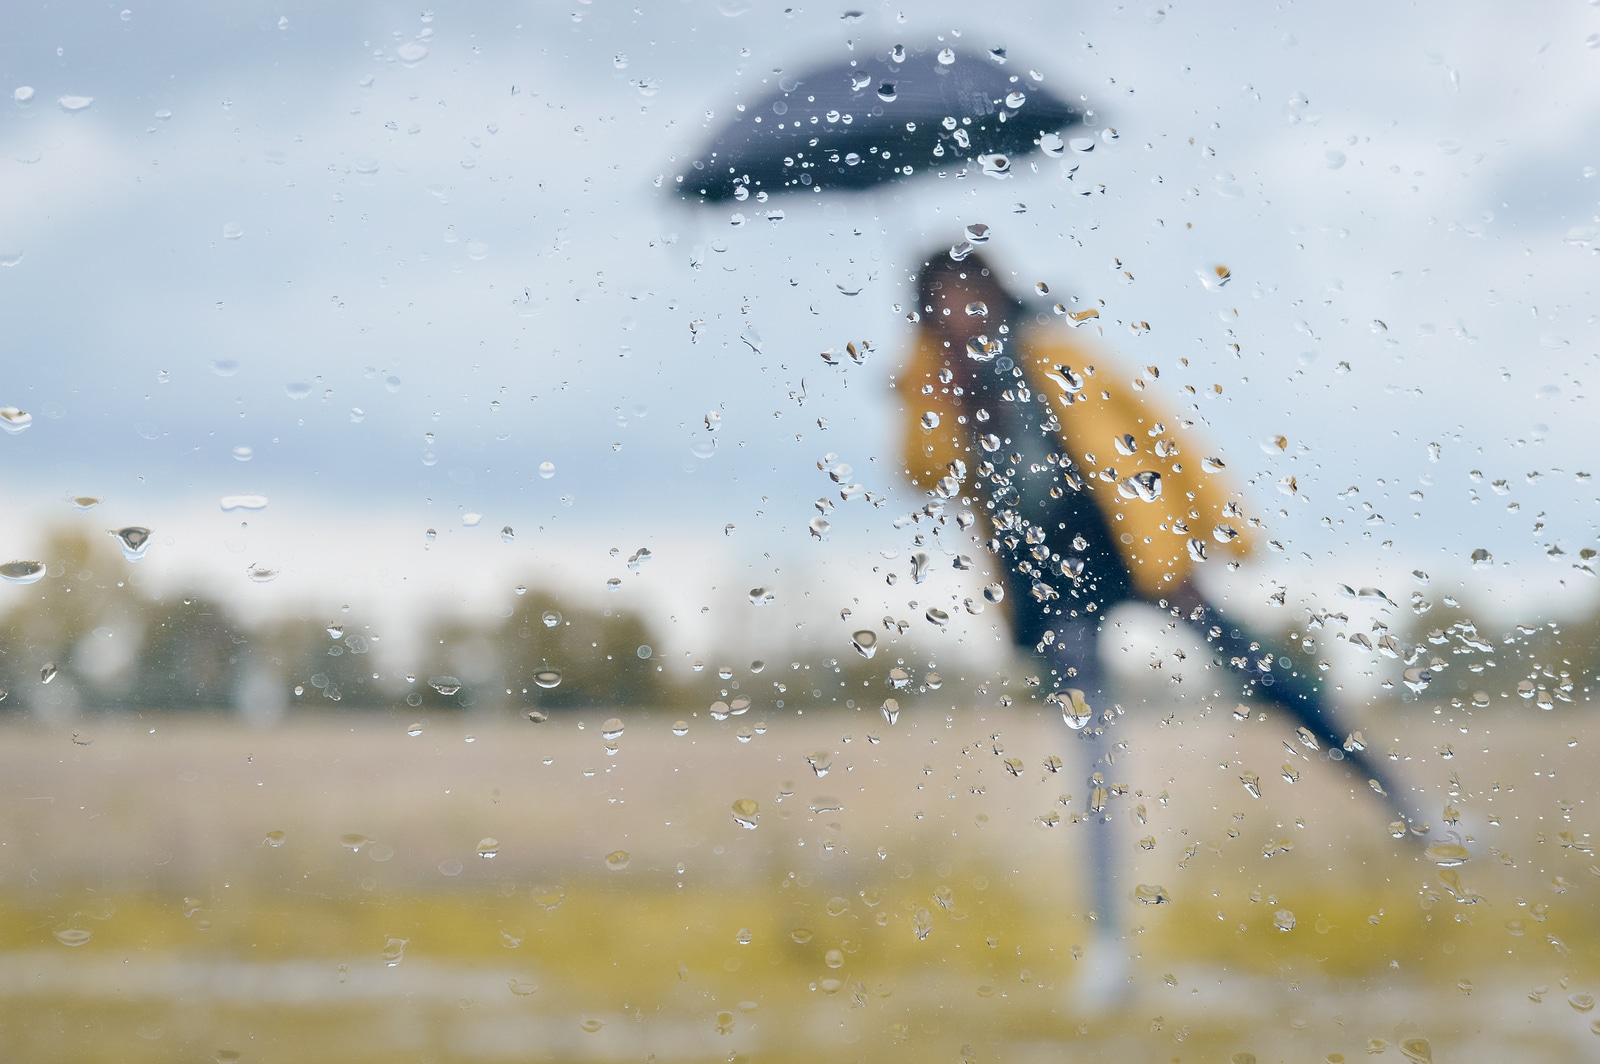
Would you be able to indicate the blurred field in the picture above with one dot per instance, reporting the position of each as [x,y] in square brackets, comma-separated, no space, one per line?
[372,930]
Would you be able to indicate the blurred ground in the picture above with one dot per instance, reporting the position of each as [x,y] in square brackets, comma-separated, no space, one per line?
[151,910]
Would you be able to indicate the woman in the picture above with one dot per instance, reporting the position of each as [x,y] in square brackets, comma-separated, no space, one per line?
[1089,497]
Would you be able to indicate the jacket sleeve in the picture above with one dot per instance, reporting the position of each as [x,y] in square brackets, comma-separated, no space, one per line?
[1167,504]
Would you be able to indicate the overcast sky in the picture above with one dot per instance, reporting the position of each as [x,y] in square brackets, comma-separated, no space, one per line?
[323,232]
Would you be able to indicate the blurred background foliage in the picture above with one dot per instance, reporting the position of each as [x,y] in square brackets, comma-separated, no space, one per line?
[91,636]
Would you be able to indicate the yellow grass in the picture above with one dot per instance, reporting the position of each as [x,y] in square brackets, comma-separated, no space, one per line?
[207,940]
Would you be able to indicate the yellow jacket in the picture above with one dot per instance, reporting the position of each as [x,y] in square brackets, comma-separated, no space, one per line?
[1192,515]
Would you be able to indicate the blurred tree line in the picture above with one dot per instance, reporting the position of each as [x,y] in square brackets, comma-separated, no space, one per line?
[88,636]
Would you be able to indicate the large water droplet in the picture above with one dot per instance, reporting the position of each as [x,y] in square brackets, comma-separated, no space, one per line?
[1151,894]
[745,812]
[72,936]
[547,678]
[21,572]
[134,541]
[13,420]
[1447,854]
[445,685]
[1145,486]
[865,642]
[617,860]
[243,502]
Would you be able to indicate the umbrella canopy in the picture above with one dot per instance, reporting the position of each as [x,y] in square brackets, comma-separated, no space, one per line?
[883,117]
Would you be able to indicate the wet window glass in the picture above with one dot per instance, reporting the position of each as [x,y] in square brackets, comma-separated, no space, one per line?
[732,531]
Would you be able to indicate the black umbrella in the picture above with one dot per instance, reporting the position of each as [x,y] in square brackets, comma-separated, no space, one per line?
[883,117]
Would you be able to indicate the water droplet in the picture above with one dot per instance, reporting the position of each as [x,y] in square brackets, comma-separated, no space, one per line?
[1151,894]
[275,839]
[23,94]
[74,104]
[22,572]
[865,642]
[547,678]
[243,502]
[547,470]
[745,812]
[1447,854]
[551,618]
[1482,559]
[261,574]
[134,541]
[680,727]
[820,527]
[415,730]
[1145,486]
[507,535]
[488,848]
[800,935]
[451,867]
[1417,1050]
[47,672]
[946,56]
[762,596]
[617,860]
[72,936]
[993,592]
[354,842]
[13,421]
[411,53]
[445,685]
[611,730]
[996,165]
[890,710]
[1583,1002]
[1075,711]
[394,951]
[1283,920]
[820,761]
[591,1026]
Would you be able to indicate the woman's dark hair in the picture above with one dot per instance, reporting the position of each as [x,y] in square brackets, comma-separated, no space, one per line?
[971,272]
